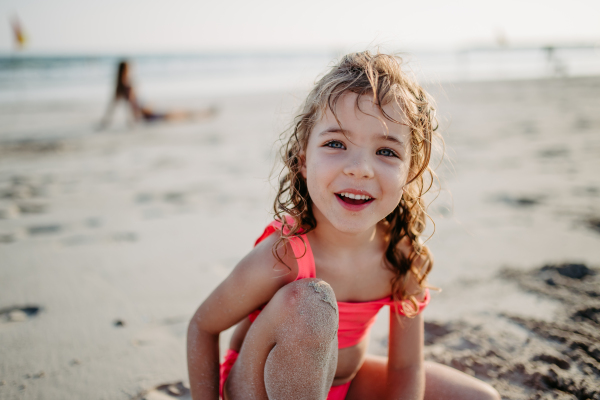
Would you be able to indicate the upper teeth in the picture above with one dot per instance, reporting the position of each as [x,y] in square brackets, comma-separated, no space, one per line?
[356,196]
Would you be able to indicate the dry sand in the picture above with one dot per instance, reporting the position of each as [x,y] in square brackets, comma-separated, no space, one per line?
[109,241]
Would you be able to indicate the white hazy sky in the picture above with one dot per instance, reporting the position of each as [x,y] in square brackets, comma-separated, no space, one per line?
[76,26]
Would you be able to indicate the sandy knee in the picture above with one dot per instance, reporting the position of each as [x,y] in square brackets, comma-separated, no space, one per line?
[311,309]
[325,293]
[311,292]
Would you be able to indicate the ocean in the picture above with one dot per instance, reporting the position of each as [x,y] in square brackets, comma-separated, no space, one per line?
[42,82]
[54,77]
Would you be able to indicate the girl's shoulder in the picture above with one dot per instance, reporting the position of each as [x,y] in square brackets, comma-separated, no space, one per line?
[251,284]
[271,260]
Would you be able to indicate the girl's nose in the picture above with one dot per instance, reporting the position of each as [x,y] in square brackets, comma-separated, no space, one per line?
[359,167]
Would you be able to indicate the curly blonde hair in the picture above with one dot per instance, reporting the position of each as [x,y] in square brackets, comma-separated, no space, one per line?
[381,77]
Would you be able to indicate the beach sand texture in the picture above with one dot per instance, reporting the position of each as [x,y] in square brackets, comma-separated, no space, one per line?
[109,241]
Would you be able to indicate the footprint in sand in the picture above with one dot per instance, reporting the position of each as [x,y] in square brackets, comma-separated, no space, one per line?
[591,314]
[166,391]
[85,239]
[594,224]
[570,270]
[18,314]
[32,207]
[44,229]
[520,201]
[124,237]
[550,359]
[435,331]
[11,236]
[554,152]
[9,210]
[144,198]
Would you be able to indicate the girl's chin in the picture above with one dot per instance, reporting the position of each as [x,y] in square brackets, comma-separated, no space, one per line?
[351,225]
[345,221]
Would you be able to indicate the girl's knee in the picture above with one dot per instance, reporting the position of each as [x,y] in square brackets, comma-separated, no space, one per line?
[484,391]
[492,394]
[450,383]
[310,311]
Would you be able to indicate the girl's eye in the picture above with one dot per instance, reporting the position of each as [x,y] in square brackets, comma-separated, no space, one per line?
[387,153]
[335,144]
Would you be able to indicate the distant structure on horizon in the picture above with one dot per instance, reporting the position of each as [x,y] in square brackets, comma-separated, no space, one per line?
[501,39]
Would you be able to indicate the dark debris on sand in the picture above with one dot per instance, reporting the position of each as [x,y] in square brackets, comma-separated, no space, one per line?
[35,146]
[557,358]
[174,390]
[594,224]
[18,314]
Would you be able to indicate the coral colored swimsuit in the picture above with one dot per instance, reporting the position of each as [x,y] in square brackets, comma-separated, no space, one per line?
[355,318]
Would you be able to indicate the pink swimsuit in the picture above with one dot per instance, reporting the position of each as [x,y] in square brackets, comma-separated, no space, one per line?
[355,320]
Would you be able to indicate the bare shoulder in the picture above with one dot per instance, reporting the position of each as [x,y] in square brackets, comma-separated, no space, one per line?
[251,284]
[261,261]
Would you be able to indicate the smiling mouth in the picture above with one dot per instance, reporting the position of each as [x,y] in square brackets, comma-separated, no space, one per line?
[354,199]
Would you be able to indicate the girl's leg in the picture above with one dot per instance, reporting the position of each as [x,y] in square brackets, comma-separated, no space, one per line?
[441,383]
[290,351]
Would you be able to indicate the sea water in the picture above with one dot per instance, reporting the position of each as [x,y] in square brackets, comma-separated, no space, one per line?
[40,82]
[24,76]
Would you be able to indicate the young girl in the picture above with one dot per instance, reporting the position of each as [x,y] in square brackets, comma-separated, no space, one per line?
[345,242]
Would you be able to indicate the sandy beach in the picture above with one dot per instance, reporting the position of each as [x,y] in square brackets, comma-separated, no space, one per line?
[110,240]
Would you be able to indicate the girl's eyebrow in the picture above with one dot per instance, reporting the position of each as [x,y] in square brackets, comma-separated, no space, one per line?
[388,138]
[333,130]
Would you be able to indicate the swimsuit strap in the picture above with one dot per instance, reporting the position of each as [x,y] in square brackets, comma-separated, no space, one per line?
[300,247]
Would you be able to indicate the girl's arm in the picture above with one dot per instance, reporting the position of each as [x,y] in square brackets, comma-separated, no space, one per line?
[252,283]
[406,374]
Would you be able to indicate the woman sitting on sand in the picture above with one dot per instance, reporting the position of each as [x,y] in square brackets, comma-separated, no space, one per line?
[125,91]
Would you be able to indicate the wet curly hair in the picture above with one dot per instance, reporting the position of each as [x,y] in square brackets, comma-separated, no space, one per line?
[381,77]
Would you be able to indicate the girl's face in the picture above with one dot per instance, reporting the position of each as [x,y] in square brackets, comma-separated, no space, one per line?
[355,174]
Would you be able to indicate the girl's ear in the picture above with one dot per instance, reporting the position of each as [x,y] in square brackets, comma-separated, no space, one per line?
[302,158]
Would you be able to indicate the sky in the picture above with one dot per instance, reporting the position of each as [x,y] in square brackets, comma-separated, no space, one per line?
[108,26]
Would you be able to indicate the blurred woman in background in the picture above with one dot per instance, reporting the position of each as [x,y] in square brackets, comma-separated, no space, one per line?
[124,91]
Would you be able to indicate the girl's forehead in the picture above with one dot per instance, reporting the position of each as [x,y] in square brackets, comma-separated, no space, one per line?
[351,109]
[352,105]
